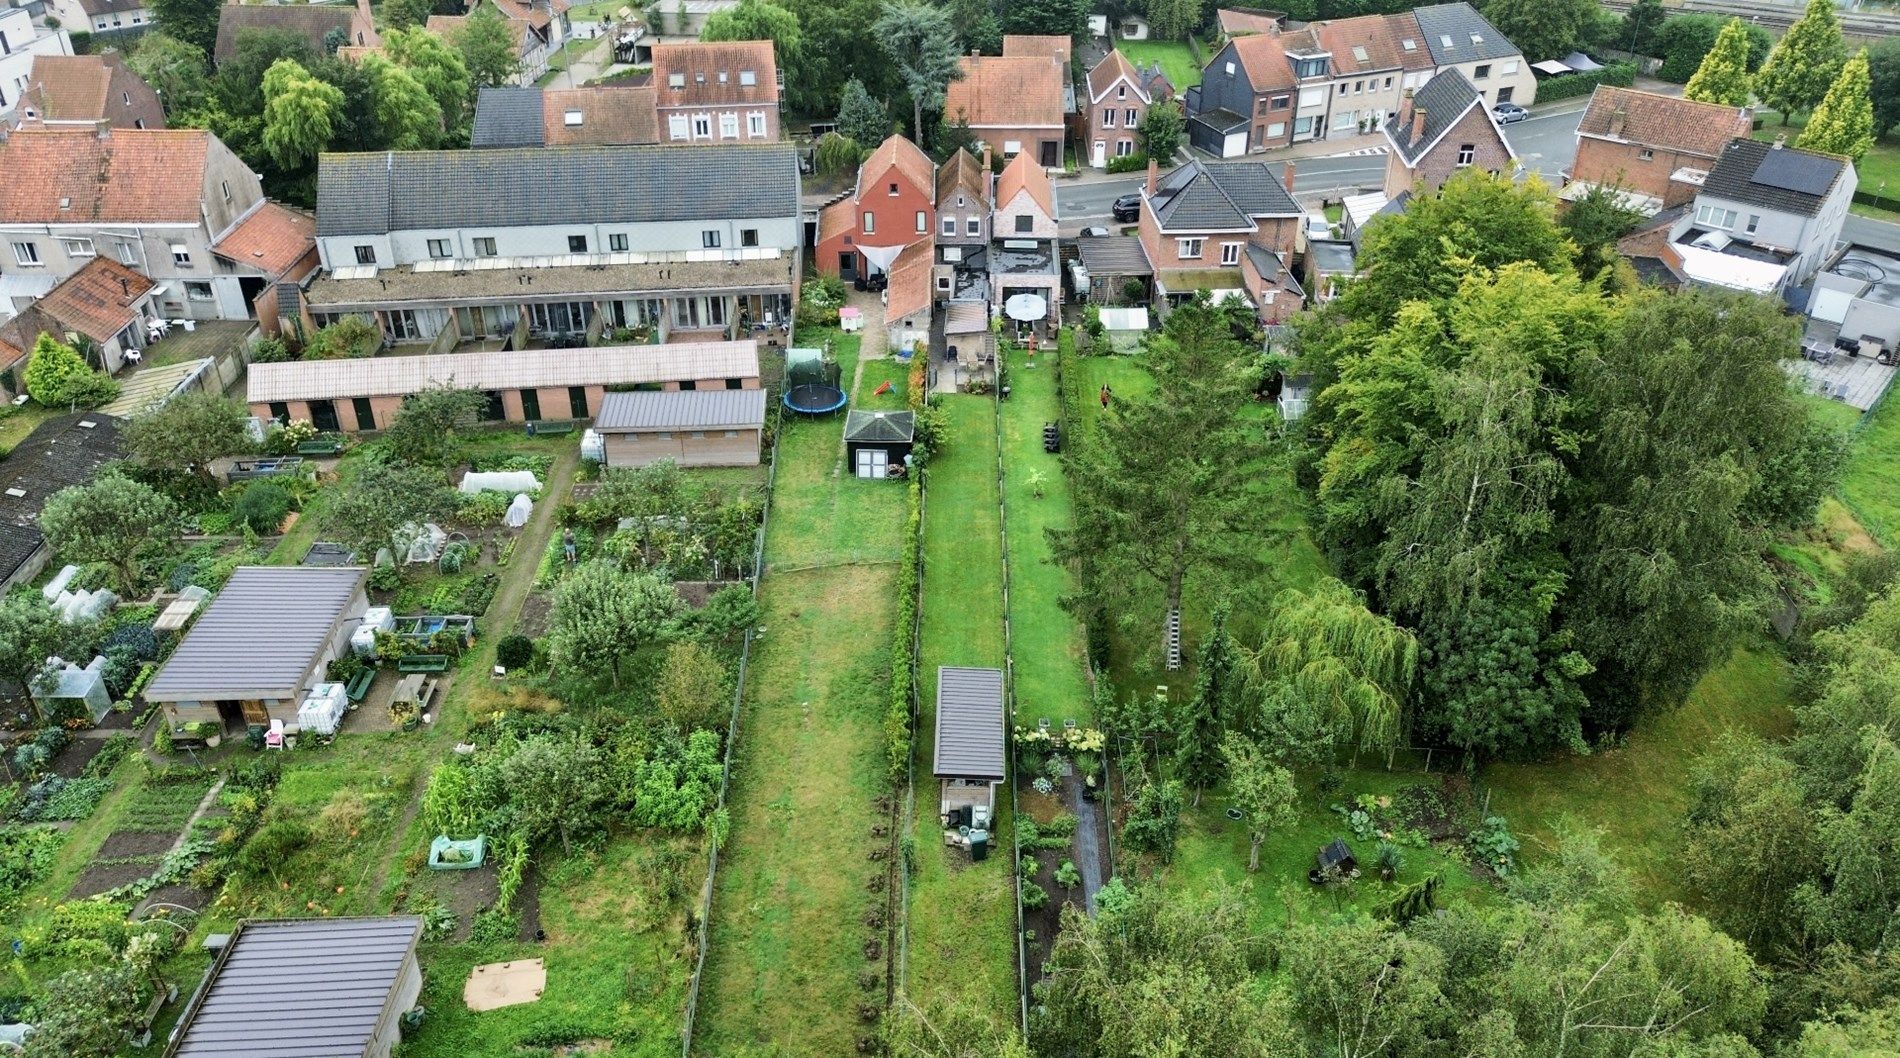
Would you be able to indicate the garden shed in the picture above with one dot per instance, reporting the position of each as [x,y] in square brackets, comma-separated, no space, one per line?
[876,441]
[294,988]
[970,753]
[694,428]
[262,644]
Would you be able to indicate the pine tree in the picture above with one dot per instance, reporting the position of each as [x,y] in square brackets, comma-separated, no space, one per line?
[1844,122]
[1197,751]
[1723,76]
[860,117]
[1800,69]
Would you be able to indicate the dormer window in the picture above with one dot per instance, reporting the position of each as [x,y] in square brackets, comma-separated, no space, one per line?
[1304,68]
[748,78]
[676,80]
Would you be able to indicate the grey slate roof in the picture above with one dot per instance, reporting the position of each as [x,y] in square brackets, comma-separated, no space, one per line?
[1786,179]
[970,729]
[711,409]
[1205,196]
[259,635]
[61,451]
[508,117]
[1445,98]
[379,192]
[1460,22]
[1114,255]
[313,988]
[892,426]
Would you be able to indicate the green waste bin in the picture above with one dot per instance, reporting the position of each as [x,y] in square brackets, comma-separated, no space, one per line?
[979,845]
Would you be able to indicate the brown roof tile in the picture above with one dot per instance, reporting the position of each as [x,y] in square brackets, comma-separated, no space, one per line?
[90,88]
[272,239]
[124,176]
[711,74]
[97,300]
[1234,22]
[1024,174]
[1113,67]
[610,115]
[907,158]
[909,289]
[1664,121]
[1027,46]
[837,219]
[963,172]
[312,22]
[1006,92]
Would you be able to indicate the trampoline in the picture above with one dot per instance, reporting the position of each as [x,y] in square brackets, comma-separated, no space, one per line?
[811,382]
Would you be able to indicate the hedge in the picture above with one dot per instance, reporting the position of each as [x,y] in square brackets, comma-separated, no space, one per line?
[1129,163]
[1572,85]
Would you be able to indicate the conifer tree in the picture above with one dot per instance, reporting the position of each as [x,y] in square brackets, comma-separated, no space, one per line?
[1805,62]
[1844,122]
[1723,76]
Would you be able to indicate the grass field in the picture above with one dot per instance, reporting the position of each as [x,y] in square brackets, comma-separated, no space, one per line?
[1173,55]
[962,919]
[787,933]
[1870,483]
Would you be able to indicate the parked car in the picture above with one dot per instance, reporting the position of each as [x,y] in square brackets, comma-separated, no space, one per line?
[1126,209]
[1094,233]
[1505,113]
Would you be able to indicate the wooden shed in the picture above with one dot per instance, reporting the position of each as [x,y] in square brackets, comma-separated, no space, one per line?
[876,441]
[694,428]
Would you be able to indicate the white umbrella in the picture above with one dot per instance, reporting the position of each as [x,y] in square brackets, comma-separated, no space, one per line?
[1026,308]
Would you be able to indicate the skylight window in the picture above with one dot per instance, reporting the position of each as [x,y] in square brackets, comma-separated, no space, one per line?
[1445,39]
[748,78]
[1477,38]
[572,118]
[1409,44]
[1359,53]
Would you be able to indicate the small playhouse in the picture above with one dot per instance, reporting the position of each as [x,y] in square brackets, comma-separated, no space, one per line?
[878,443]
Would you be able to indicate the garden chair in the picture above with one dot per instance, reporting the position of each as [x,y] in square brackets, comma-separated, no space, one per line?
[275,738]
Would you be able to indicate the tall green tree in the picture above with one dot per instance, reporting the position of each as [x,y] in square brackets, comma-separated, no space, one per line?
[387,500]
[1594,222]
[1361,989]
[1204,717]
[1161,131]
[922,45]
[58,377]
[1542,29]
[1723,76]
[110,519]
[950,1028]
[1332,658]
[174,68]
[1054,18]
[487,43]
[428,428]
[1844,122]
[31,632]
[756,20]
[440,69]
[1883,68]
[1261,790]
[1173,19]
[1805,63]
[193,21]
[1751,841]
[1640,23]
[406,14]
[240,80]
[185,434]
[557,786]
[1683,40]
[300,114]
[862,119]
[602,613]
[831,51]
[409,116]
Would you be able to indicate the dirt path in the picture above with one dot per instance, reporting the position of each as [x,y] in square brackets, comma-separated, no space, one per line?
[519,579]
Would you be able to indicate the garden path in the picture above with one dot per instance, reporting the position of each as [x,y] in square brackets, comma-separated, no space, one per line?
[1089,856]
[519,579]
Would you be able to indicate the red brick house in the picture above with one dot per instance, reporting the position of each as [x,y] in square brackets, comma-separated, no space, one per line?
[1013,104]
[1227,228]
[719,93]
[1653,145]
[1442,128]
[893,205]
[89,88]
[1119,95]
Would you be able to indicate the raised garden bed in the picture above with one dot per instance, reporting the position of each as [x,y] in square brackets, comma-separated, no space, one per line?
[423,663]
[359,685]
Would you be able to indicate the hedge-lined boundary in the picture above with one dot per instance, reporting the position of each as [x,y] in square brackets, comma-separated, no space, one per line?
[1572,85]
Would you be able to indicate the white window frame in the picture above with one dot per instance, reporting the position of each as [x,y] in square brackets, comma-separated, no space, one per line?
[128,254]
[1276,130]
[76,246]
[729,126]
[678,128]
[702,126]
[27,255]
[1230,254]
[974,226]
[484,245]
[1108,117]
[1467,154]
[755,124]
[616,242]
[1345,119]
[1129,118]
[1124,148]
[199,290]
[1754,224]
[1189,249]
[1312,97]
[949,226]
[869,223]
[923,222]
[1510,68]
[1011,148]
[1716,217]
[181,255]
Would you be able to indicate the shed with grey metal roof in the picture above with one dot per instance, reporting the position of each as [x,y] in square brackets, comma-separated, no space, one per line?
[971,732]
[718,409]
[265,635]
[312,988]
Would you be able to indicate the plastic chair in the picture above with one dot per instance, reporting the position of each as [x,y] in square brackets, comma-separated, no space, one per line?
[275,738]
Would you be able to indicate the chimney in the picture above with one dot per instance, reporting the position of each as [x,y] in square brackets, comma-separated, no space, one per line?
[1781,140]
[1405,107]
[1418,123]
[1154,176]
[986,160]
[1617,118]
[125,288]
[1289,176]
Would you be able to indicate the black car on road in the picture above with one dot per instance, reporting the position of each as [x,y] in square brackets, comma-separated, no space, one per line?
[1126,209]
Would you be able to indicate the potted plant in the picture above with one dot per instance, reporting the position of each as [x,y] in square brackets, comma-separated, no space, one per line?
[404,715]
[210,733]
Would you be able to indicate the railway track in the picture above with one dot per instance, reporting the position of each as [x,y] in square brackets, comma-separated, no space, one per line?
[1864,25]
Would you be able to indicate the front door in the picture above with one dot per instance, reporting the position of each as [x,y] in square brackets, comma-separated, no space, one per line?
[1051,153]
[872,462]
[848,265]
[323,416]
[1101,155]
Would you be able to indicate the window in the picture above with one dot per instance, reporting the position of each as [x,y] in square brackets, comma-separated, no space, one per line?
[1229,253]
[1343,87]
[1359,53]
[181,255]
[949,226]
[1011,148]
[1230,67]
[1303,68]
[280,411]
[77,247]
[893,189]
[1645,155]
[1505,93]
[1444,41]
[1025,224]
[676,127]
[365,255]
[1312,97]
[735,383]
[1467,153]
[1108,117]
[1481,72]
[577,244]
[1409,44]
[1124,148]
[438,248]
[572,119]
[676,80]
[26,253]
[748,236]
[1121,90]
[1754,221]
[1477,38]
[198,291]
[365,413]
[1388,84]
[702,127]
[728,126]
[974,227]
[1130,118]
[709,239]
[577,402]
[1188,249]
[870,223]
[1715,217]
[1345,119]
[1358,88]
[748,78]
[923,221]
[1276,130]
[1510,68]
[617,242]
[1303,126]
[1282,102]
[755,124]
[484,246]
[128,254]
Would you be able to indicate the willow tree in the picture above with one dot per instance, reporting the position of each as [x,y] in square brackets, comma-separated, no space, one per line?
[1322,650]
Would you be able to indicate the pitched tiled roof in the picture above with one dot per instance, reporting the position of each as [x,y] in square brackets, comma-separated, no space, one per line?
[898,153]
[1004,92]
[1787,179]
[507,117]
[90,88]
[1445,98]
[1024,173]
[1235,22]
[963,173]
[536,12]
[447,26]
[125,176]
[1022,45]
[1263,57]
[109,7]
[909,289]
[1670,122]
[1457,33]
[271,239]
[520,369]
[837,219]
[714,74]
[709,409]
[375,193]
[1113,67]
[97,300]
[312,22]
[1208,196]
[1370,36]
[609,115]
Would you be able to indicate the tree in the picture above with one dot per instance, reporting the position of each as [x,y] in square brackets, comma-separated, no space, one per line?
[603,613]
[862,119]
[186,433]
[439,68]
[31,632]
[1594,222]
[1542,29]
[837,155]
[557,787]
[58,377]
[1363,988]
[1337,661]
[1055,18]
[1173,19]
[952,1028]
[1723,76]
[1640,23]
[952,136]
[1682,40]
[1844,122]
[694,688]
[1883,67]
[1211,709]
[110,519]
[1262,791]
[1851,1033]
[488,49]
[922,45]
[193,21]
[385,500]
[678,784]
[89,1013]
[1161,131]
[350,337]
[832,50]
[426,429]
[174,69]
[756,20]
[1805,63]
[405,14]
[1751,841]
[409,116]
[299,114]
[1154,819]
[240,79]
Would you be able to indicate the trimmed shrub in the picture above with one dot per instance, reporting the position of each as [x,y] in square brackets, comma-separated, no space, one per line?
[514,651]
[1572,85]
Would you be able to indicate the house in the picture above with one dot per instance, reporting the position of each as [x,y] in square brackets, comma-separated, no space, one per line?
[61,452]
[1442,128]
[717,92]
[1119,95]
[365,970]
[611,115]
[531,42]
[88,89]
[890,207]
[1654,146]
[1013,104]
[155,200]
[102,16]
[970,753]
[525,385]
[693,428]
[1329,263]
[964,209]
[105,302]
[280,244]
[1057,49]
[877,441]
[1767,217]
[440,248]
[1229,228]
[22,43]
[1240,21]
[1275,87]
[325,27]
[910,296]
[1022,256]
[1650,251]
[263,643]
[1113,270]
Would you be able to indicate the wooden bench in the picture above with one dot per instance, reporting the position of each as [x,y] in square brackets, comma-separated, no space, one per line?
[321,447]
[359,685]
[423,663]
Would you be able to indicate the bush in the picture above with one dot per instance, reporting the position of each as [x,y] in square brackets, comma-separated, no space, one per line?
[271,846]
[1035,897]
[347,338]
[385,578]
[1572,85]
[820,300]
[514,651]
[270,351]
[1131,163]
[483,508]
[1068,876]
[262,507]
[283,440]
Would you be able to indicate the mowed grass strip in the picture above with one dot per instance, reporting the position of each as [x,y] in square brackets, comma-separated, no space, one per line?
[962,914]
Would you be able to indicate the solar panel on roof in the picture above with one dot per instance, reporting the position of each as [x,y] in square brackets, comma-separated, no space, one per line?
[1795,171]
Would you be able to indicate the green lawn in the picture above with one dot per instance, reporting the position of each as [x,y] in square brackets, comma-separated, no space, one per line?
[1173,55]
[787,930]
[1870,484]
[962,917]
